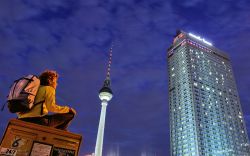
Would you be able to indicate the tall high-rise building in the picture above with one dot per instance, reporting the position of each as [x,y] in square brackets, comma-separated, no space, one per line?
[205,113]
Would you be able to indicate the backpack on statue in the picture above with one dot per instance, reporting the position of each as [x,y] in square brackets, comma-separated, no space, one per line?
[22,94]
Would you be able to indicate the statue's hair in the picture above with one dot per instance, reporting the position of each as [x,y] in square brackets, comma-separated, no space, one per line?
[47,77]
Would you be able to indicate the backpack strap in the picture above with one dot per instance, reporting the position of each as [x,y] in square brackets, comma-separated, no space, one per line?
[42,109]
[41,105]
[3,106]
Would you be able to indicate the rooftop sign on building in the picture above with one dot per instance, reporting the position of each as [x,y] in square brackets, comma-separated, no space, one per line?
[200,39]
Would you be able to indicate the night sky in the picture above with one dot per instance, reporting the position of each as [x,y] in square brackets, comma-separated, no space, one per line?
[73,37]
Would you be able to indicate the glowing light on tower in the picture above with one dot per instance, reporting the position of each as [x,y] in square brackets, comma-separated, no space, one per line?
[105,94]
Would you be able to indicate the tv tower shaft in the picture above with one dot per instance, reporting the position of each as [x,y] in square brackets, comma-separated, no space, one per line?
[100,134]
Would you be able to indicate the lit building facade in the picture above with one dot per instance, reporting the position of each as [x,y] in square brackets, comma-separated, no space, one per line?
[205,112]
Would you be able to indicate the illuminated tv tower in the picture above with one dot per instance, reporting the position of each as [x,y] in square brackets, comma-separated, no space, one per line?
[105,94]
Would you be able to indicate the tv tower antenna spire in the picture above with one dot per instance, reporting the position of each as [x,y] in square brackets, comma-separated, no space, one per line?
[105,95]
[110,61]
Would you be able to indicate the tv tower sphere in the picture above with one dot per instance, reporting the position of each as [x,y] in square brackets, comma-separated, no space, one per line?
[105,94]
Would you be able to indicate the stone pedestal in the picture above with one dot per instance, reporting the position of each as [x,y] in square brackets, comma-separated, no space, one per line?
[28,139]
